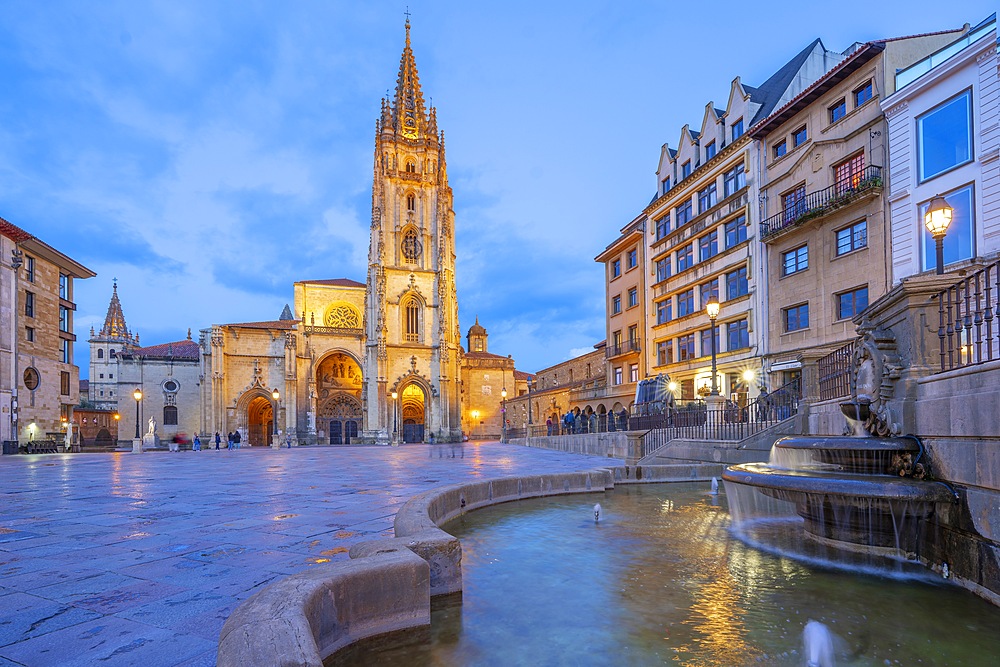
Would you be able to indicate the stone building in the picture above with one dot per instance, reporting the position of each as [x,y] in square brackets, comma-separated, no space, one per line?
[821,159]
[39,384]
[485,379]
[576,385]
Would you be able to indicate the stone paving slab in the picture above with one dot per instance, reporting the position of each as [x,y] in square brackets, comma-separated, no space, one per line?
[138,559]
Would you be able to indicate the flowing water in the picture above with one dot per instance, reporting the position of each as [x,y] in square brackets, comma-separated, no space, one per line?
[659,580]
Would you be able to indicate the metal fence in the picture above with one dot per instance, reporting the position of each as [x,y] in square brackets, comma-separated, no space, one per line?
[967,319]
[821,202]
[835,373]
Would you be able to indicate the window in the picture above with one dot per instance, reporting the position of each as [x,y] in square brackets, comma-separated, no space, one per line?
[733,180]
[633,373]
[664,353]
[64,319]
[736,283]
[837,110]
[852,238]
[64,383]
[664,311]
[737,335]
[796,317]
[711,288]
[685,303]
[793,203]
[944,137]
[29,335]
[618,374]
[848,174]
[736,231]
[633,297]
[686,169]
[616,268]
[710,151]
[685,257]
[411,202]
[706,341]
[662,269]
[862,94]
[29,304]
[412,329]
[706,198]
[67,352]
[102,376]
[411,167]
[633,258]
[411,247]
[170,413]
[114,354]
[616,341]
[662,227]
[794,261]
[684,213]
[780,148]
[29,268]
[737,129]
[799,136]
[633,336]
[616,304]
[63,286]
[685,347]
[111,376]
[960,242]
[666,185]
[851,303]
[170,386]
[708,245]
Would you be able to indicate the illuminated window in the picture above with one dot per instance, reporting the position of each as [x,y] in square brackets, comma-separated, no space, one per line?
[847,175]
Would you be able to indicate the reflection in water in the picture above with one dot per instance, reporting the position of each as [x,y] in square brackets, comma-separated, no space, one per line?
[659,580]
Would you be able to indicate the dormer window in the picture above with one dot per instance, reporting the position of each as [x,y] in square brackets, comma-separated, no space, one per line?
[686,169]
[710,151]
[666,185]
[737,129]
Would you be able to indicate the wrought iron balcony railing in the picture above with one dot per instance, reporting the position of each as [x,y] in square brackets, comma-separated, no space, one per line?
[817,204]
[627,347]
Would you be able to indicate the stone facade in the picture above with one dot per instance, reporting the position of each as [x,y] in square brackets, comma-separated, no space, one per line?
[37,374]
[485,377]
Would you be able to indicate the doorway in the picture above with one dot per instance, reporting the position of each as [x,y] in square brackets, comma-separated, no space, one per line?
[413,409]
[260,421]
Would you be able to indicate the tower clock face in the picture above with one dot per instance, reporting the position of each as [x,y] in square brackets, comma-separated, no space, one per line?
[410,127]
[411,247]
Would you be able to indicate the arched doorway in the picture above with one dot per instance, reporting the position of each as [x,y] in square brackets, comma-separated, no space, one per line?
[260,421]
[412,408]
[341,413]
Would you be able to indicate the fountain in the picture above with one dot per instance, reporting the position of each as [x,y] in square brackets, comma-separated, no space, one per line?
[866,492]
[817,642]
[597,512]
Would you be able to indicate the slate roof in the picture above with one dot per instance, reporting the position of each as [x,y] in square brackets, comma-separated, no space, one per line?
[182,349]
[769,92]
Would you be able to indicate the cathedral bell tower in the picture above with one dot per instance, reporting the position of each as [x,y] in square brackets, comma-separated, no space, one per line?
[411,307]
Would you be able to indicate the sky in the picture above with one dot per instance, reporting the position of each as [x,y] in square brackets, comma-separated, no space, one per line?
[210,154]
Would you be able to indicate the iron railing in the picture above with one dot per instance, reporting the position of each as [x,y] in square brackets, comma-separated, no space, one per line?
[821,202]
[835,373]
[967,319]
[692,421]
[625,348]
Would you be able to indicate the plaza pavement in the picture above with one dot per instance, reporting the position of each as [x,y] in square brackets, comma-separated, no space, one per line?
[138,559]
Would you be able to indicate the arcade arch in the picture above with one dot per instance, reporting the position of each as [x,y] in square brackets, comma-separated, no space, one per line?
[338,396]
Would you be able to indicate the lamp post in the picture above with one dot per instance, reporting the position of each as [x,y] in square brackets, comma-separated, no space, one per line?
[475,421]
[137,395]
[503,414]
[936,220]
[712,308]
[395,422]
[275,394]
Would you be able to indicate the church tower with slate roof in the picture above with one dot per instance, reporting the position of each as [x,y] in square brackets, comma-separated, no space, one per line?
[413,340]
[105,345]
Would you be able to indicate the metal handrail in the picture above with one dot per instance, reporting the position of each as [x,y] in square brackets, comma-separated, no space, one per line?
[967,312]
[821,202]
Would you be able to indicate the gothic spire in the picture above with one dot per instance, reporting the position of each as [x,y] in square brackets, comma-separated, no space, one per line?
[114,323]
[409,112]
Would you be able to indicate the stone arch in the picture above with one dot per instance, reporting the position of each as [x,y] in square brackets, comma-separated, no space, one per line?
[411,316]
[340,416]
[338,370]
[414,408]
[254,417]
[411,247]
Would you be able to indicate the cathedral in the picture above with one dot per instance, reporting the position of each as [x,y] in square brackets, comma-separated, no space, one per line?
[377,362]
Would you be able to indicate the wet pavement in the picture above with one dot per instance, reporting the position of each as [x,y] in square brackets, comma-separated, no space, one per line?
[128,559]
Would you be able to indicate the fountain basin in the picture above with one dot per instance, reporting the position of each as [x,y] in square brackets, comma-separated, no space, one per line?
[862,455]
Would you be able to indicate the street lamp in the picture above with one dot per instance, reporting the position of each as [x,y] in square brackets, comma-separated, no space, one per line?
[137,395]
[503,414]
[395,422]
[712,308]
[275,394]
[936,220]
[475,420]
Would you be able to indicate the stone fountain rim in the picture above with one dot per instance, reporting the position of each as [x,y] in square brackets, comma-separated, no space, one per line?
[903,443]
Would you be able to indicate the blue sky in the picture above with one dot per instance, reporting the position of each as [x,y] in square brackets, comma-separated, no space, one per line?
[209,154]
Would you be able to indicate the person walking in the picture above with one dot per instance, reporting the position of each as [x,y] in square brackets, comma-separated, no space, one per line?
[196,446]
[229,441]
[218,440]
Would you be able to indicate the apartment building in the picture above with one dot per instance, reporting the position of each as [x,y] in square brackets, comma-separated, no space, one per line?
[825,241]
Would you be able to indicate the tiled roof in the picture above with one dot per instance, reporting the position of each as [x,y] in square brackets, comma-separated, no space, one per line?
[13,232]
[521,375]
[485,355]
[336,282]
[182,349]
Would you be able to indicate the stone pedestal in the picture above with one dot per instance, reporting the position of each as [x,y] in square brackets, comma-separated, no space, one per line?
[137,446]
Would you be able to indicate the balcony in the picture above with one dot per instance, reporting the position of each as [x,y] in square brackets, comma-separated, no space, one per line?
[823,202]
[628,347]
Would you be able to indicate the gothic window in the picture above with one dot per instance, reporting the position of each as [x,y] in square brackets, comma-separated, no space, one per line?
[113,354]
[411,246]
[100,354]
[343,317]
[411,167]
[411,202]
[411,332]
[170,415]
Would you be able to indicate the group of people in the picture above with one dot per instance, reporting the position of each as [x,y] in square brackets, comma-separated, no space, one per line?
[584,423]
[233,440]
